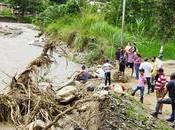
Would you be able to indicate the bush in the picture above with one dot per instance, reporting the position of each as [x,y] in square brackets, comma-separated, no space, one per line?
[6,12]
[88,31]
[55,12]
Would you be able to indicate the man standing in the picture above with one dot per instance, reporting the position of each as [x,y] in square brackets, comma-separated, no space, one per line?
[107,67]
[130,60]
[170,89]
[147,66]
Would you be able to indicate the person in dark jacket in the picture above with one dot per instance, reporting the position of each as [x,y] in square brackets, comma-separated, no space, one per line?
[170,89]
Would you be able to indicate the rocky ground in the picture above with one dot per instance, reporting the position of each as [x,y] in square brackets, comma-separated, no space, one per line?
[37,97]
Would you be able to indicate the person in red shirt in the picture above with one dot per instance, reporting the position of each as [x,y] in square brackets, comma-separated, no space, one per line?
[160,87]
[170,99]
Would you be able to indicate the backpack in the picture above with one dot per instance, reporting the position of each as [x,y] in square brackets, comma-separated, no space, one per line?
[122,60]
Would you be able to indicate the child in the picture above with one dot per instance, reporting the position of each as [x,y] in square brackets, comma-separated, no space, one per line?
[107,69]
[140,85]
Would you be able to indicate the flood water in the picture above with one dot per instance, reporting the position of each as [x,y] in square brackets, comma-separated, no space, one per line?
[16,53]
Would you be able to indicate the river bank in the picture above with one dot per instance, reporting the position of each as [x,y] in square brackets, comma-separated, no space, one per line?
[19,53]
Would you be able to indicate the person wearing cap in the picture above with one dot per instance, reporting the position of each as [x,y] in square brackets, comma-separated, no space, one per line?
[140,85]
[147,66]
[160,87]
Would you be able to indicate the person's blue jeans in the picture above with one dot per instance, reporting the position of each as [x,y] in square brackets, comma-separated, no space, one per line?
[141,91]
[137,66]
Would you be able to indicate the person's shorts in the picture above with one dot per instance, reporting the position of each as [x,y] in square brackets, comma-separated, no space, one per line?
[160,93]
[130,65]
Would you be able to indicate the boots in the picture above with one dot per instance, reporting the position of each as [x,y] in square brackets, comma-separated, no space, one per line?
[171,119]
[155,114]
[133,94]
[141,99]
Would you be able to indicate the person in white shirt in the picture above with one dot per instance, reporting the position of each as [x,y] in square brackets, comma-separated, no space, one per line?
[147,66]
[159,62]
[107,67]
[100,73]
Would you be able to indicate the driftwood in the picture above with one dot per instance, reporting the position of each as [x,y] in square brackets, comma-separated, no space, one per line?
[25,102]
[66,111]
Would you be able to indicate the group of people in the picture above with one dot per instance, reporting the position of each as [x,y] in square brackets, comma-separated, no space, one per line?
[148,72]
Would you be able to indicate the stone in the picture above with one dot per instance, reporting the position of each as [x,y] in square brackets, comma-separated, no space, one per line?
[66,94]
[90,86]
[38,124]
[67,91]
[101,94]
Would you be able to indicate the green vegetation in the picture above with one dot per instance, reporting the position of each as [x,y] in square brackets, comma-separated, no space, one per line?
[135,114]
[6,12]
[29,7]
[86,29]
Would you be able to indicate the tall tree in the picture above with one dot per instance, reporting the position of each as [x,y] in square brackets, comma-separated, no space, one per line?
[29,6]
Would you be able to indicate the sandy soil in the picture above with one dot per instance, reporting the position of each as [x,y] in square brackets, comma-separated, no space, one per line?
[150,100]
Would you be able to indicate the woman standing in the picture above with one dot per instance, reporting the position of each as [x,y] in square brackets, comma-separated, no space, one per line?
[137,62]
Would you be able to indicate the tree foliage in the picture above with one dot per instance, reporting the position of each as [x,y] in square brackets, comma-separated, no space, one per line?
[153,17]
[29,6]
[55,12]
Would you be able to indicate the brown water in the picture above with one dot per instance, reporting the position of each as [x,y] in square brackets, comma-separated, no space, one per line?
[16,53]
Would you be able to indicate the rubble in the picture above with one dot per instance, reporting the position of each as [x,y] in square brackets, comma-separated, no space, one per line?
[33,103]
[119,77]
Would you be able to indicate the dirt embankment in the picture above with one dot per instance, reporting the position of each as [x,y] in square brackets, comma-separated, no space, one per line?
[32,102]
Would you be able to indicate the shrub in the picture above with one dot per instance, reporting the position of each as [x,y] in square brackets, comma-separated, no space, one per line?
[6,12]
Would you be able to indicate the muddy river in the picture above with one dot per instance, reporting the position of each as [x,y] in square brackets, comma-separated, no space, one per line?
[16,53]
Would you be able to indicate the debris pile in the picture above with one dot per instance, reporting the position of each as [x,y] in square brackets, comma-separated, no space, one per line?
[32,103]
[28,104]
[119,77]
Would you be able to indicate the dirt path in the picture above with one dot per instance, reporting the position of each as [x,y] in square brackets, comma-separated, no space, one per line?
[16,53]
[150,100]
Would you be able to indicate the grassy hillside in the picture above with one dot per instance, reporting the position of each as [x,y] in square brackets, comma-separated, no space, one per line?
[87,31]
